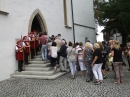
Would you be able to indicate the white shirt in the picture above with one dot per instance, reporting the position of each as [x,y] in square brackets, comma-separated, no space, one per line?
[76,48]
[28,38]
[53,51]
[20,45]
[91,45]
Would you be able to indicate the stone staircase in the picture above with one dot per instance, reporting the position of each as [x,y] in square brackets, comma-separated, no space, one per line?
[39,69]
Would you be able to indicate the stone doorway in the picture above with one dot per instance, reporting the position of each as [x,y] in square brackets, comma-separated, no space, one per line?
[37,22]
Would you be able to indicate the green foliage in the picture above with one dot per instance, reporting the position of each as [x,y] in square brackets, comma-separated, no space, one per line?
[114,15]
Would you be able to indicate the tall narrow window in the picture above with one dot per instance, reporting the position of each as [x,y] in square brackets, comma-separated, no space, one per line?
[65,12]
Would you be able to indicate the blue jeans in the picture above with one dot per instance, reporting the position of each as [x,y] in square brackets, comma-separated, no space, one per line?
[44,52]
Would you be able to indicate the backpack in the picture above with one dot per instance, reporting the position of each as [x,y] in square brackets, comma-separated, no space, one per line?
[80,51]
[54,52]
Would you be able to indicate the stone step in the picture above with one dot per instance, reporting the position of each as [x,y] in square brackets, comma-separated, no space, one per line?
[39,76]
[37,59]
[38,68]
[45,73]
[38,65]
[39,62]
[38,56]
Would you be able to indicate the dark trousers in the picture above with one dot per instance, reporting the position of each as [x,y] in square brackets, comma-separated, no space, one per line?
[48,56]
[128,59]
[77,65]
[53,61]
[40,46]
[58,57]
[112,66]
[103,65]
[20,65]
[32,53]
[37,50]
[26,58]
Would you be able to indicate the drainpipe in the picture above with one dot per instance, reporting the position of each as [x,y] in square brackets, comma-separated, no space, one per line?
[73,20]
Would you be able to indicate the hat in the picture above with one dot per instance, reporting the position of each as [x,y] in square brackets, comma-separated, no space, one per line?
[24,37]
[34,30]
[18,41]
[31,33]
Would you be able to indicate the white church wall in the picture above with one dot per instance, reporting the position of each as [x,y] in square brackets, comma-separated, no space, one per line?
[83,19]
[83,32]
[16,23]
[83,12]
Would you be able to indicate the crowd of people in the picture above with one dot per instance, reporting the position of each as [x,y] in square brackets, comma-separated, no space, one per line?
[91,59]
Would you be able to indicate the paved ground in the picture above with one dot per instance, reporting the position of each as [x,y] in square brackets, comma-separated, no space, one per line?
[65,87]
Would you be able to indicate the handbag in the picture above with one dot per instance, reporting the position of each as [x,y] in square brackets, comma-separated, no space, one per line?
[69,54]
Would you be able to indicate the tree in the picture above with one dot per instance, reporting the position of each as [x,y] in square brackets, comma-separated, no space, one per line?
[115,16]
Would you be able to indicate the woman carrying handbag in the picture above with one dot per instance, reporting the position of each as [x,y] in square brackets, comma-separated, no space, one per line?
[71,59]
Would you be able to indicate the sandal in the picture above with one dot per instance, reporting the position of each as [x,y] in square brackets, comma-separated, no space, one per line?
[72,77]
[55,68]
[121,81]
[88,80]
[116,82]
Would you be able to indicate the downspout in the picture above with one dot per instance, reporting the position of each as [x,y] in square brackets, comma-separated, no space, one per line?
[73,20]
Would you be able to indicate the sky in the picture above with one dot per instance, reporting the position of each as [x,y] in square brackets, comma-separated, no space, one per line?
[100,35]
[100,28]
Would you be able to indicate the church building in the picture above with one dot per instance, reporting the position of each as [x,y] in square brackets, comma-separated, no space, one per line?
[73,19]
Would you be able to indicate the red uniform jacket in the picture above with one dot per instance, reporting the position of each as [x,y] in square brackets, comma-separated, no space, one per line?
[32,43]
[19,53]
[36,42]
[27,49]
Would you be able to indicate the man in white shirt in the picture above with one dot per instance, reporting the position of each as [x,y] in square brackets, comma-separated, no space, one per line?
[59,36]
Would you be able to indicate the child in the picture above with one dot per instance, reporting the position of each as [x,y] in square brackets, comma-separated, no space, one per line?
[110,59]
